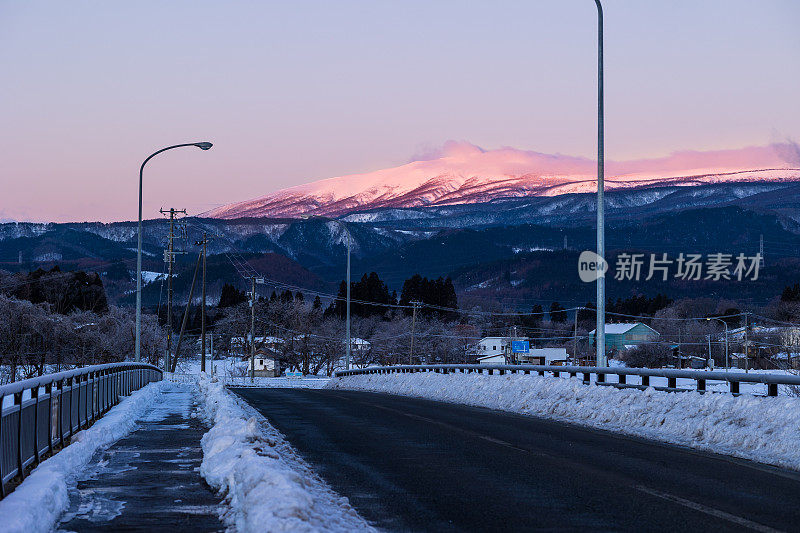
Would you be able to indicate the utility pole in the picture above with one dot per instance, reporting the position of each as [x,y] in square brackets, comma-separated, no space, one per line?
[169,258]
[746,351]
[415,304]
[204,242]
[761,251]
[252,328]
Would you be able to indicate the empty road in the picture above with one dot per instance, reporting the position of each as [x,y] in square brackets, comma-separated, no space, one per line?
[416,465]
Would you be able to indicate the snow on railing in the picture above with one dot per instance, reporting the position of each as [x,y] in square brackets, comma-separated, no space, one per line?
[601,374]
[47,410]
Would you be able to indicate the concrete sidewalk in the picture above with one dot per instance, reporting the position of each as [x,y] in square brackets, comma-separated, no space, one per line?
[150,480]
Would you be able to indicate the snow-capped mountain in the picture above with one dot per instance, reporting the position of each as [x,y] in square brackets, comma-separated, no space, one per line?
[462,173]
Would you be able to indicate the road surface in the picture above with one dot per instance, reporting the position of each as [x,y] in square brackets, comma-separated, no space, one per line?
[415,465]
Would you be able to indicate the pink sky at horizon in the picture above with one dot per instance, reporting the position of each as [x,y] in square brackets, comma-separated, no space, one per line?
[294,93]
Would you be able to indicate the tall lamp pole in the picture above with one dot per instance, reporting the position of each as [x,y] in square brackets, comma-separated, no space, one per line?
[202,146]
[601,245]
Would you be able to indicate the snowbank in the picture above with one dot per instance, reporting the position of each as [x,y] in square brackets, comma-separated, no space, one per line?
[39,501]
[757,428]
[267,486]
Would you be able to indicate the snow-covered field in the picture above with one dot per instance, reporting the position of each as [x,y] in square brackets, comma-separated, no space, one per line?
[267,486]
[756,428]
[38,501]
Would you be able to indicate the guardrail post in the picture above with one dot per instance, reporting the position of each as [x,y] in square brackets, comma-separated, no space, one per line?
[587,377]
[35,398]
[701,385]
[601,378]
[71,384]
[556,373]
[772,389]
[541,372]
[502,372]
[623,379]
[734,387]
[527,371]
[646,381]
[60,387]
[20,469]
[672,383]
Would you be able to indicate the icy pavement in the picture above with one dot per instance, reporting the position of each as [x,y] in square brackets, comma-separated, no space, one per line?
[149,480]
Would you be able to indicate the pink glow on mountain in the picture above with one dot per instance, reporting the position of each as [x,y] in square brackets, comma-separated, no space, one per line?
[461,172]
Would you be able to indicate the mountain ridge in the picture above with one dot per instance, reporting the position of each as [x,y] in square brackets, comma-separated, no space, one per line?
[463,173]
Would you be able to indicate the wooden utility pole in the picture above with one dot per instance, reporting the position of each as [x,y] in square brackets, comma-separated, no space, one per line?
[169,258]
[185,315]
[204,242]
[415,304]
[252,328]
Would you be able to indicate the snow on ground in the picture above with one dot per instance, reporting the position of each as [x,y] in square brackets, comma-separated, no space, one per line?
[267,486]
[757,428]
[37,502]
[233,372]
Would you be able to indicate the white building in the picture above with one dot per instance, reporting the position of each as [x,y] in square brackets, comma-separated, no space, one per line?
[498,350]
[491,346]
[263,365]
[534,356]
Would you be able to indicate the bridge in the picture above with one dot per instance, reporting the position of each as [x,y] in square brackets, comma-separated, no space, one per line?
[403,463]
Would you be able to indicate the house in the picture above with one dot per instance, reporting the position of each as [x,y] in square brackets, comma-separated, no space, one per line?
[505,350]
[264,364]
[543,356]
[627,335]
[496,345]
[534,356]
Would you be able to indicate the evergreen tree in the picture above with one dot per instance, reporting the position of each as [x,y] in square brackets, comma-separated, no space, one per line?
[557,313]
[231,296]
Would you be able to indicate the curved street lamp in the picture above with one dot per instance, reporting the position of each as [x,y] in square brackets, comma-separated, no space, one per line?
[202,146]
[601,245]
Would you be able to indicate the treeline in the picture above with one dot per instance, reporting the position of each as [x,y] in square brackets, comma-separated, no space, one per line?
[63,292]
[52,320]
[438,297]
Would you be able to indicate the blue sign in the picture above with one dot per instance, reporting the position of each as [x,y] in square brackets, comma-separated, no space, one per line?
[520,346]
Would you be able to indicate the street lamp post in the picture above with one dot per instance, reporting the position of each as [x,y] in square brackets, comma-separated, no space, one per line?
[727,367]
[601,245]
[202,146]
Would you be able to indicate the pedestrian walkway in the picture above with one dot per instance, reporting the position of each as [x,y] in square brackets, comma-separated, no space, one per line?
[150,480]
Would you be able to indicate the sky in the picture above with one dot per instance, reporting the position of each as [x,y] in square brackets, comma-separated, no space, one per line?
[292,92]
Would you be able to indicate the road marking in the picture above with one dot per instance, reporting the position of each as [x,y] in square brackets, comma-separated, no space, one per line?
[738,520]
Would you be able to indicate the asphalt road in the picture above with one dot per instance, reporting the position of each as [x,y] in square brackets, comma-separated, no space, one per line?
[416,465]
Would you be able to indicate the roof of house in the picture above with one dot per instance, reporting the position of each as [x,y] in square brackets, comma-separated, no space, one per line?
[618,329]
[490,356]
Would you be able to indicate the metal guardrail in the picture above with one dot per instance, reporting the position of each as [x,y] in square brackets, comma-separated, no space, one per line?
[701,378]
[49,409]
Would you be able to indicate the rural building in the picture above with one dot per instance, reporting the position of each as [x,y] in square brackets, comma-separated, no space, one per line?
[498,350]
[626,335]
[264,365]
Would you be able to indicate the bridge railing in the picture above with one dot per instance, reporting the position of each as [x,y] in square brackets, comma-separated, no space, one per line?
[601,375]
[40,414]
